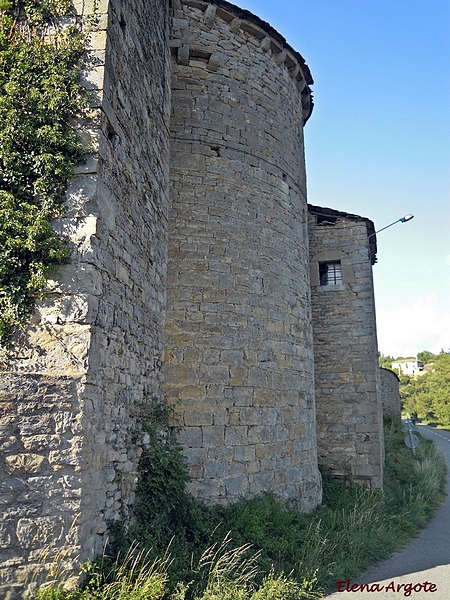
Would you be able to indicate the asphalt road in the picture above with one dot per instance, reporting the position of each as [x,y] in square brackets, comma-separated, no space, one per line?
[422,570]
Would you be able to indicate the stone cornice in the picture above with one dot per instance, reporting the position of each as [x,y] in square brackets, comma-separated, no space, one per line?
[269,39]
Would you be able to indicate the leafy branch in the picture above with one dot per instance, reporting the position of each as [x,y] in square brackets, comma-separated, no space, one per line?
[40,96]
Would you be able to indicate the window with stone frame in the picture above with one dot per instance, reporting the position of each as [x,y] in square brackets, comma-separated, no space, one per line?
[330,273]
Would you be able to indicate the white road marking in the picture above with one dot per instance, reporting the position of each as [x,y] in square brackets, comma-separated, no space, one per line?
[441,436]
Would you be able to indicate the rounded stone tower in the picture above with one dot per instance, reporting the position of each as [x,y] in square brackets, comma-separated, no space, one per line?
[239,358]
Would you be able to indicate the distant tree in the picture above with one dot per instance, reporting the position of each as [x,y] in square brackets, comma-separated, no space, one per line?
[440,387]
[426,357]
[429,394]
[406,392]
[385,361]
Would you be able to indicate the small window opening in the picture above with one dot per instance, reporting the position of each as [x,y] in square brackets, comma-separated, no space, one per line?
[330,273]
[326,220]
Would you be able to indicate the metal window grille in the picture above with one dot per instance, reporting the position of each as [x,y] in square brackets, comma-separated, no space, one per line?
[330,273]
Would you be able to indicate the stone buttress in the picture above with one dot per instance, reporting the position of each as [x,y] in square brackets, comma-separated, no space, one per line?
[70,396]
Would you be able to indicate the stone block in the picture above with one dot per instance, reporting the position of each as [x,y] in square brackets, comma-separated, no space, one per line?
[9,443]
[179,374]
[70,457]
[7,535]
[214,374]
[93,77]
[252,416]
[195,456]
[234,358]
[206,490]
[42,531]
[198,418]
[238,377]
[245,454]
[214,470]
[25,464]
[193,392]
[236,435]
[265,397]
[263,481]
[236,486]
[43,424]
[97,40]
[260,434]
[243,396]
[41,443]
[191,437]
[81,190]
[258,377]
[213,436]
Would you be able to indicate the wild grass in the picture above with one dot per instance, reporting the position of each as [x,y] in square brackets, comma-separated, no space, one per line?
[265,549]
[131,577]
[226,573]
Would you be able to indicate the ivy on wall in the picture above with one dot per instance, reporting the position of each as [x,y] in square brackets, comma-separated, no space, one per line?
[41,48]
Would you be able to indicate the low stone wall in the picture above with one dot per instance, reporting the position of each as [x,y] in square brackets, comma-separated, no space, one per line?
[390,393]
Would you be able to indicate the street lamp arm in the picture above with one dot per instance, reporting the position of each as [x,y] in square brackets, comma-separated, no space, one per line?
[401,220]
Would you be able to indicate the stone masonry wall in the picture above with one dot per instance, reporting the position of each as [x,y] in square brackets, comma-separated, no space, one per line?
[225,276]
[238,357]
[390,393]
[131,242]
[349,419]
[70,395]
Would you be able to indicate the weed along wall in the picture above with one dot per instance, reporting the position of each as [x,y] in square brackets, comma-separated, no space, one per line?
[238,352]
[348,399]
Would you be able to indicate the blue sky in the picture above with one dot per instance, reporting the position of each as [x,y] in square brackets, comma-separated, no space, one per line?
[378,144]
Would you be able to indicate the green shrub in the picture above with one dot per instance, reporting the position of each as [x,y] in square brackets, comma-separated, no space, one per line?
[40,96]
[164,514]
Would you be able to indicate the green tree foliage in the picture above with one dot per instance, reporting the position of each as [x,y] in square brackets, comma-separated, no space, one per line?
[426,356]
[429,395]
[40,94]
[385,361]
